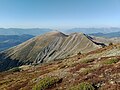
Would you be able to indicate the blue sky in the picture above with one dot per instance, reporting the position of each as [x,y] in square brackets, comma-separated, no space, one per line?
[59,13]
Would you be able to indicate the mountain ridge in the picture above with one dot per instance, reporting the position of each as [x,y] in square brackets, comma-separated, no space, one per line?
[49,47]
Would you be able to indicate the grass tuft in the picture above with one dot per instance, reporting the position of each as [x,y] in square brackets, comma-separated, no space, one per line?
[46,83]
[83,86]
[110,61]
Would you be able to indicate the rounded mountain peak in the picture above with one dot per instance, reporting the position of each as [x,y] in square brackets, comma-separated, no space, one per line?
[76,33]
[55,33]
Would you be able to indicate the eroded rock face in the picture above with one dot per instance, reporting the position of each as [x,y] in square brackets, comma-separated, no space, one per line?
[48,47]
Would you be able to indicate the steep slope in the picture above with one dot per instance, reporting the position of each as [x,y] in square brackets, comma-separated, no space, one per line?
[96,70]
[48,47]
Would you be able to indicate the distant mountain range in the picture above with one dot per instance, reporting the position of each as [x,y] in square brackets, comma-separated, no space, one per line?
[7,41]
[92,30]
[38,31]
[107,35]
[20,31]
[103,32]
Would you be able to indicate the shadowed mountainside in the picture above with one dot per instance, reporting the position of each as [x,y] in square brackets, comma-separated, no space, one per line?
[7,41]
[106,41]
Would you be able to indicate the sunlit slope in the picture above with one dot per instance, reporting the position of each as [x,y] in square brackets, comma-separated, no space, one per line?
[96,70]
[50,46]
